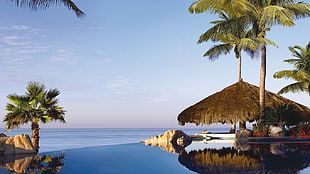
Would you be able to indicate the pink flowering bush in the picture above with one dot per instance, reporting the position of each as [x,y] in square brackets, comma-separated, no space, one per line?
[301,131]
[260,130]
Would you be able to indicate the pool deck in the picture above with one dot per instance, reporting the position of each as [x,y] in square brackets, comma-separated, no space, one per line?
[220,137]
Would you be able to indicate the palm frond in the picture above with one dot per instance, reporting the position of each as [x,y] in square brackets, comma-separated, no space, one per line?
[277,15]
[231,7]
[300,10]
[231,26]
[43,4]
[297,75]
[294,87]
[217,50]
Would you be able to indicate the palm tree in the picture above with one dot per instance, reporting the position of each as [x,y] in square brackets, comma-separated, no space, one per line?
[43,4]
[262,15]
[302,72]
[37,105]
[232,34]
[282,115]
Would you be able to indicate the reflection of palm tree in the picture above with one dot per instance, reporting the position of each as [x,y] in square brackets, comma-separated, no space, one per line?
[38,105]
[36,164]
[48,164]
[36,4]
[302,72]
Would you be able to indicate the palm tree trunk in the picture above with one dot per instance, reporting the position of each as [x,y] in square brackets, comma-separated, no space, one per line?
[242,125]
[239,68]
[233,128]
[262,82]
[35,135]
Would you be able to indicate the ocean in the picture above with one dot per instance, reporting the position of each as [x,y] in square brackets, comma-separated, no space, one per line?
[62,139]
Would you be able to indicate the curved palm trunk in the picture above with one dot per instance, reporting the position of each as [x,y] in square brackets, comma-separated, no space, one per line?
[35,135]
[262,82]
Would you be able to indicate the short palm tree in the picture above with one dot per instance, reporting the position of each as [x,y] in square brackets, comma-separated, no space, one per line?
[37,105]
[282,115]
[301,73]
[37,4]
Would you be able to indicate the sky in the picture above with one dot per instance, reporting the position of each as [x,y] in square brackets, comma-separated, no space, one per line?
[127,64]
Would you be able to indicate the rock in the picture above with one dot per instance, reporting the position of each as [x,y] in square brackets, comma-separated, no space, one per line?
[172,141]
[276,131]
[277,149]
[2,144]
[20,144]
[9,147]
[23,144]
[2,135]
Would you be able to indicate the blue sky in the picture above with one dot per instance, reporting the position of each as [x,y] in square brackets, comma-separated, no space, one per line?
[126,64]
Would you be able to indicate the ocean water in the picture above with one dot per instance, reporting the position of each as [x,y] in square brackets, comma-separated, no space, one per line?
[62,139]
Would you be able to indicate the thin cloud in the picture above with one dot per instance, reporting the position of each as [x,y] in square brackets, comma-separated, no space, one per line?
[161,98]
[121,86]
[15,40]
[20,28]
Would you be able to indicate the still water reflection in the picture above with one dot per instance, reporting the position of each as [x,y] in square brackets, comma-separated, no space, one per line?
[31,163]
[255,158]
[203,158]
[262,158]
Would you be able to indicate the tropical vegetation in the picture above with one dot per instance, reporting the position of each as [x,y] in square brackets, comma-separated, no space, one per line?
[260,17]
[43,4]
[38,105]
[282,115]
[301,73]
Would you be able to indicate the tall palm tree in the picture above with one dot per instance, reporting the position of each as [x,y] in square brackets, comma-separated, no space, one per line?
[232,34]
[301,73]
[43,4]
[262,15]
[37,105]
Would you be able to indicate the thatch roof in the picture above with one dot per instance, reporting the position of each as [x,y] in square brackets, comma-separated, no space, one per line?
[236,103]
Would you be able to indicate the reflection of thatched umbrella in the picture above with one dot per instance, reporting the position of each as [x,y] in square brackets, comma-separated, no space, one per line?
[257,160]
[236,103]
[226,160]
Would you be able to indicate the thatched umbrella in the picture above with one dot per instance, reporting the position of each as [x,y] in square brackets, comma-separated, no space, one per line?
[236,103]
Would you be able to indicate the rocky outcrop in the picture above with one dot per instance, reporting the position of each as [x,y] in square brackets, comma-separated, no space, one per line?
[171,141]
[277,131]
[19,144]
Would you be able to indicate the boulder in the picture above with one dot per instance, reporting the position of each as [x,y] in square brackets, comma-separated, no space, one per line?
[277,131]
[23,144]
[19,144]
[172,141]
